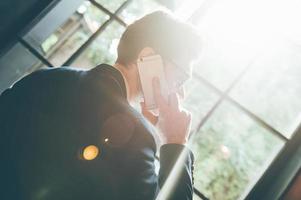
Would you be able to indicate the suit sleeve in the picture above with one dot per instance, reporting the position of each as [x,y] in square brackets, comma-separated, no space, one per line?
[175,178]
[176,172]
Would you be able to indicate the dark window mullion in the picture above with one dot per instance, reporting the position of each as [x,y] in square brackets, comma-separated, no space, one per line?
[258,119]
[199,194]
[243,109]
[79,51]
[222,98]
[207,116]
[34,52]
[82,48]
[112,15]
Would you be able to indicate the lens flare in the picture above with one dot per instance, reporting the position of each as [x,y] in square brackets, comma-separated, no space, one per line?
[90,152]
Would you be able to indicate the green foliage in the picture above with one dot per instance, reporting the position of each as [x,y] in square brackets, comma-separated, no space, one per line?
[49,42]
[231,150]
[103,49]
[138,8]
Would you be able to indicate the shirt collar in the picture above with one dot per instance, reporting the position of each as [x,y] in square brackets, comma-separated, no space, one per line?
[115,73]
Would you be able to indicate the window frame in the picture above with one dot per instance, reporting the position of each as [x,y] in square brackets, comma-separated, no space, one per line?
[287,163]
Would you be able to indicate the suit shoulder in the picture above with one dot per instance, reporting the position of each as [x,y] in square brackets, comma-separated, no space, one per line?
[47,75]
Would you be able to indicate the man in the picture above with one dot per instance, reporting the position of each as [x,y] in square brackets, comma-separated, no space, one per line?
[72,134]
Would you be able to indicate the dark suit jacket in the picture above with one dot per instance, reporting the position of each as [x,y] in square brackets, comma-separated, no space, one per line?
[49,116]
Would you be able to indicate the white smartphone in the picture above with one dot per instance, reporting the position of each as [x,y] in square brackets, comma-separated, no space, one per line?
[150,67]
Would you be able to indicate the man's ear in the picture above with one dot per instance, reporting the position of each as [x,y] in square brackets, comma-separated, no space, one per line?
[146,51]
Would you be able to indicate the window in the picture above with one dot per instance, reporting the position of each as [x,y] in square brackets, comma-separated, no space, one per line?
[277,73]
[111,5]
[106,52]
[73,33]
[230,151]
[199,100]
[138,8]
[245,91]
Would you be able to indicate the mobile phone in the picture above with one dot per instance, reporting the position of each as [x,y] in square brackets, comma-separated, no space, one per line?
[150,67]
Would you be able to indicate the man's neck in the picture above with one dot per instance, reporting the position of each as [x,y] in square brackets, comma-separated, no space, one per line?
[120,67]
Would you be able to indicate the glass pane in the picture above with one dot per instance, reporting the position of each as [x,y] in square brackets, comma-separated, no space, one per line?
[222,61]
[184,9]
[139,8]
[196,197]
[272,88]
[111,5]
[59,46]
[103,49]
[226,49]
[234,35]
[231,153]
[198,100]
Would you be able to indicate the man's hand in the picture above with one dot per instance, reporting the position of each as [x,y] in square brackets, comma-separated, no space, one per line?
[173,122]
[153,119]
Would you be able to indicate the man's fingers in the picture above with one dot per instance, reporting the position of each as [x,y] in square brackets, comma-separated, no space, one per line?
[148,115]
[174,100]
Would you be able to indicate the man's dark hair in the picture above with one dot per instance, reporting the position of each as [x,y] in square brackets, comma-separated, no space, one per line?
[167,35]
